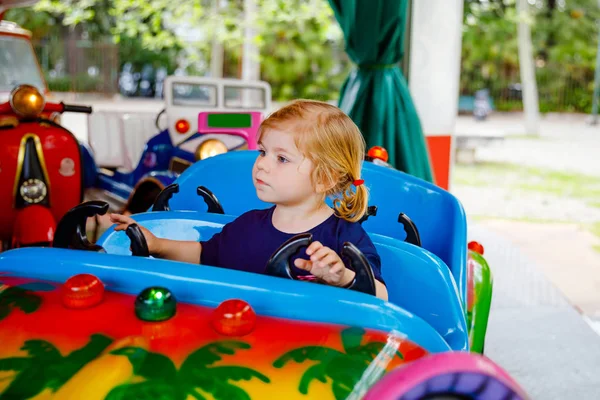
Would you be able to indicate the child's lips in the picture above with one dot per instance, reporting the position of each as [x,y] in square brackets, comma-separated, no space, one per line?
[261,182]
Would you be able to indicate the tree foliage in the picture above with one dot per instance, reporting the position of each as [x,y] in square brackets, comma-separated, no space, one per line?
[564,35]
[300,43]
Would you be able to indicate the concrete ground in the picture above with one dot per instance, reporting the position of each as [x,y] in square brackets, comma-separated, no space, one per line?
[543,195]
[534,202]
[534,333]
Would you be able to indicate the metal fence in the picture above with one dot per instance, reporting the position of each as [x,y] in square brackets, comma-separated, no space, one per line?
[561,88]
[82,66]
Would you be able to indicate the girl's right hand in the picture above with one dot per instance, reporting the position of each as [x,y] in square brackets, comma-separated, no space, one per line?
[123,222]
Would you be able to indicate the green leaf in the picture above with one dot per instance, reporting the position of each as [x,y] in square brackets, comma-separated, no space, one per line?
[340,392]
[313,353]
[346,371]
[149,365]
[158,366]
[149,390]
[14,363]
[226,391]
[14,296]
[351,338]
[96,345]
[42,351]
[370,350]
[315,372]
[28,383]
[211,353]
[236,373]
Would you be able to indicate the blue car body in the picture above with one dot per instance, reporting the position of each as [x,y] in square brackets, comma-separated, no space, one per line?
[425,284]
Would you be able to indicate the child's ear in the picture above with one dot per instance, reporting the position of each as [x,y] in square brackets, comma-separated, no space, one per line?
[326,184]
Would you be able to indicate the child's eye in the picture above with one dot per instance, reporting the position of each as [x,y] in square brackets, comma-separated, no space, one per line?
[282,159]
[261,153]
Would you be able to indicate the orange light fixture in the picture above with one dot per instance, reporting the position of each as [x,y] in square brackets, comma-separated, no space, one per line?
[233,317]
[27,101]
[210,148]
[182,126]
[379,153]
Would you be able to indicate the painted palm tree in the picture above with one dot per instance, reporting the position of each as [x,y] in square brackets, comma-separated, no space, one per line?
[15,297]
[196,377]
[344,369]
[44,367]
[22,297]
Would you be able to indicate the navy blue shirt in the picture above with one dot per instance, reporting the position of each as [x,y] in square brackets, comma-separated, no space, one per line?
[248,242]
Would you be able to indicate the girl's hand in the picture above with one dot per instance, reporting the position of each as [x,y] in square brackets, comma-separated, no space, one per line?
[123,222]
[326,265]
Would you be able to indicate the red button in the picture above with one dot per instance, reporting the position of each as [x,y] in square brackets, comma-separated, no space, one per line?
[82,291]
[476,247]
[234,318]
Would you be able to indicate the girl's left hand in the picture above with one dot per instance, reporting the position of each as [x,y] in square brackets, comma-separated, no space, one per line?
[325,264]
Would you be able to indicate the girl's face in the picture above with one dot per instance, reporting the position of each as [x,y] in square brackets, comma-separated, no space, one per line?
[281,173]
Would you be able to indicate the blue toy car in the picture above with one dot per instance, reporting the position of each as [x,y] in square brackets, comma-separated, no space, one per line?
[241,335]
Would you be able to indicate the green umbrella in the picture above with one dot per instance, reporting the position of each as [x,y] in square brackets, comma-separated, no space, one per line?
[375,94]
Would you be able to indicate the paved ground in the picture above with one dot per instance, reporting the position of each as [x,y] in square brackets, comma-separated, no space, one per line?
[566,142]
[530,204]
[534,333]
[543,194]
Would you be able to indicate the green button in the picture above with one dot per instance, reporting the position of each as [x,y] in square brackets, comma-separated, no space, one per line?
[155,304]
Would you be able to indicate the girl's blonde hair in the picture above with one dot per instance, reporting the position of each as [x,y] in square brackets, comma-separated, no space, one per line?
[334,144]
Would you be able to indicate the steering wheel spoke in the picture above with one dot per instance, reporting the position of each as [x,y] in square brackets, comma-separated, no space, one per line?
[162,200]
[364,280]
[214,205]
[412,233]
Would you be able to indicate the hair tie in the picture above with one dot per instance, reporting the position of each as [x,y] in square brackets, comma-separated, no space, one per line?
[358,182]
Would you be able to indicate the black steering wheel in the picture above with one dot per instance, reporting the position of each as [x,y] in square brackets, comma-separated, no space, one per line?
[213,204]
[412,233]
[162,200]
[71,233]
[139,246]
[279,263]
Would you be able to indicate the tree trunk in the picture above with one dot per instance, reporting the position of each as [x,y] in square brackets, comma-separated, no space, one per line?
[216,54]
[250,60]
[527,66]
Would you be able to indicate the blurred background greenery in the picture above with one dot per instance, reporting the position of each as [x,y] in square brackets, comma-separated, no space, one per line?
[83,45]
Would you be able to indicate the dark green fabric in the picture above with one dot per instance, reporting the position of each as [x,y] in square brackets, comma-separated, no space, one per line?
[375,94]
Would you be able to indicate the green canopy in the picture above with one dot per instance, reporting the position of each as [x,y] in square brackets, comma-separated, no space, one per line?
[375,94]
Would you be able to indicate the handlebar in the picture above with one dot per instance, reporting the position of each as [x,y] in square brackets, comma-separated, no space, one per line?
[77,109]
[61,107]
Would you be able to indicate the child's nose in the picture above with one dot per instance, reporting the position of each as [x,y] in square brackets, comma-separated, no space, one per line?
[263,164]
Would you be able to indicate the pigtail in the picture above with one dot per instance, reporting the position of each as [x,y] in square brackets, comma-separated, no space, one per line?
[353,202]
